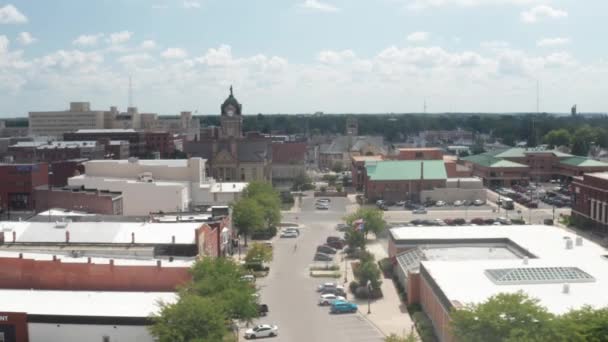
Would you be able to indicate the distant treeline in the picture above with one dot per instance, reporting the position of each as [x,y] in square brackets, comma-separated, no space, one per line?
[16,122]
[396,127]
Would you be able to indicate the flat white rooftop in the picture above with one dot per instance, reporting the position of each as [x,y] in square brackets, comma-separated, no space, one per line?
[109,130]
[84,303]
[66,259]
[467,281]
[100,232]
[147,162]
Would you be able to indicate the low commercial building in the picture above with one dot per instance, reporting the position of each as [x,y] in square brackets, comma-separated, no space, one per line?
[590,200]
[505,167]
[443,268]
[137,141]
[168,185]
[161,142]
[423,153]
[357,168]
[35,151]
[75,316]
[78,198]
[288,162]
[342,148]
[117,149]
[396,180]
[17,184]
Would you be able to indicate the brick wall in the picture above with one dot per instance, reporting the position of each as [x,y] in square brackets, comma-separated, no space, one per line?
[91,202]
[18,273]
[435,310]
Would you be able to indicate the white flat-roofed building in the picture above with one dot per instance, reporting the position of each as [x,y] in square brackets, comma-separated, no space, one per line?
[168,185]
[76,316]
[448,267]
[55,123]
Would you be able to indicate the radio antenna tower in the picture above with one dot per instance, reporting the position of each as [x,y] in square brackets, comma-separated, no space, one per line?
[130,92]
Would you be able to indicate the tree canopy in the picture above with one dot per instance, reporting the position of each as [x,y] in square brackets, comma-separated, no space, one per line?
[557,137]
[247,216]
[372,218]
[215,295]
[259,253]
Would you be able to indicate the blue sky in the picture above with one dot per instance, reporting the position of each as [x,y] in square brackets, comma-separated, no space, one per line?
[302,56]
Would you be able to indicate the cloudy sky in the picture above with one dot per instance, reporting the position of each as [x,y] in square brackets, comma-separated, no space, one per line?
[302,56]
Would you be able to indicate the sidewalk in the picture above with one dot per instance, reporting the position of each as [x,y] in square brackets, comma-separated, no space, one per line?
[388,314]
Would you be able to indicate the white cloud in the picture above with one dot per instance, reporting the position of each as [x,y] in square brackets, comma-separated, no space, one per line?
[67,59]
[319,6]
[191,4]
[135,59]
[335,57]
[87,39]
[119,37]
[148,44]
[9,14]
[495,44]
[174,53]
[4,42]
[548,42]
[418,37]
[541,12]
[25,38]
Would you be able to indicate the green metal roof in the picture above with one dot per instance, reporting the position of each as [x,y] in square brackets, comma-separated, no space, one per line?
[405,170]
[488,159]
[583,162]
[518,152]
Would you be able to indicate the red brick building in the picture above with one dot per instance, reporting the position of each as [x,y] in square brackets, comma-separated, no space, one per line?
[590,202]
[79,199]
[32,151]
[60,171]
[162,142]
[357,168]
[424,153]
[17,184]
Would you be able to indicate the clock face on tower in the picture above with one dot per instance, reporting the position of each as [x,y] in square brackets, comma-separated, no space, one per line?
[230,110]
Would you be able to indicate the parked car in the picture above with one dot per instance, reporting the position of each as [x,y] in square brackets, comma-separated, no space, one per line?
[337,244]
[379,202]
[400,203]
[449,222]
[532,204]
[262,330]
[341,227]
[343,307]
[326,249]
[328,299]
[409,205]
[429,203]
[419,211]
[323,257]
[321,206]
[489,221]
[460,221]
[324,286]
[338,291]
[289,234]
[323,200]
[248,277]
[262,310]
[334,238]
[478,221]
[466,203]
[439,222]
[503,220]
[440,203]
[458,203]
[478,202]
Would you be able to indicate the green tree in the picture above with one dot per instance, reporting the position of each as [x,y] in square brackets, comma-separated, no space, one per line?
[337,167]
[268,199]
[302,183]
[330,179]
[354,238]
[411,337]
[557,137]
[368,270]
[220,279]
[585,324]
[505,317]
[191,319]
[477,147]
[247,216]
[259,253]
[372,219]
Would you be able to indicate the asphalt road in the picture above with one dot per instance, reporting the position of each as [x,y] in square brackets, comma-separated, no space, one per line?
[290,292]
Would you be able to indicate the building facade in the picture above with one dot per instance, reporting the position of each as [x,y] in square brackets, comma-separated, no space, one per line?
[288,163]
[17,184]
[56,123]
[136,139]
[93,201]
[33,151]
[161,142]
[590,200]
[231,155]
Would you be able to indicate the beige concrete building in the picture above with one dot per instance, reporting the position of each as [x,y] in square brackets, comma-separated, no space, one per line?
[55,123]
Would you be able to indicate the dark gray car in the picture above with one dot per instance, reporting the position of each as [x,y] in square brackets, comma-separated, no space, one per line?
[326,249]
[323,257]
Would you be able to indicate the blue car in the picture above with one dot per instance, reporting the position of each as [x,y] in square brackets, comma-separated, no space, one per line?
[343,307]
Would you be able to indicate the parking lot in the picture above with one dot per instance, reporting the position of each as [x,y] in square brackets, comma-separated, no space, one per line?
[290,292]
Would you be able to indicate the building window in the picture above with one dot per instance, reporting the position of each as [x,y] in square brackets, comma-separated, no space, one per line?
[418,155]
[105,339]
[242,174]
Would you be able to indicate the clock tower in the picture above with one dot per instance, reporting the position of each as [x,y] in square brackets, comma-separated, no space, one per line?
[231,119]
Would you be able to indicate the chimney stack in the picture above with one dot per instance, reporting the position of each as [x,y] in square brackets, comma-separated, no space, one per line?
[158,263]
[111,262]
[173,239]
[566,289]
[67,237]
[132,237]
[14,237]
[88,260]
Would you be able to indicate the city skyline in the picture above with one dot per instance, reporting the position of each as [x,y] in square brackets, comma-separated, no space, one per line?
[303,56]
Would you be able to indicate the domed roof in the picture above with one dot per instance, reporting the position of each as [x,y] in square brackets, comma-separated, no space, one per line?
[231,101]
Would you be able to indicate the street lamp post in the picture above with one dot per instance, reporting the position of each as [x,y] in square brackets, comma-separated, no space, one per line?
[345,270]
[369,296]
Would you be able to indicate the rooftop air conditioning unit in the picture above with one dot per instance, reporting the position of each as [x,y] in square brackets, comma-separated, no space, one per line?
[61,224]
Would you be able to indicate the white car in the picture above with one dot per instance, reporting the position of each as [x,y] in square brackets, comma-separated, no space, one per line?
[440,204]
[262,330]
[458,203]
[328,299]
[289,234]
